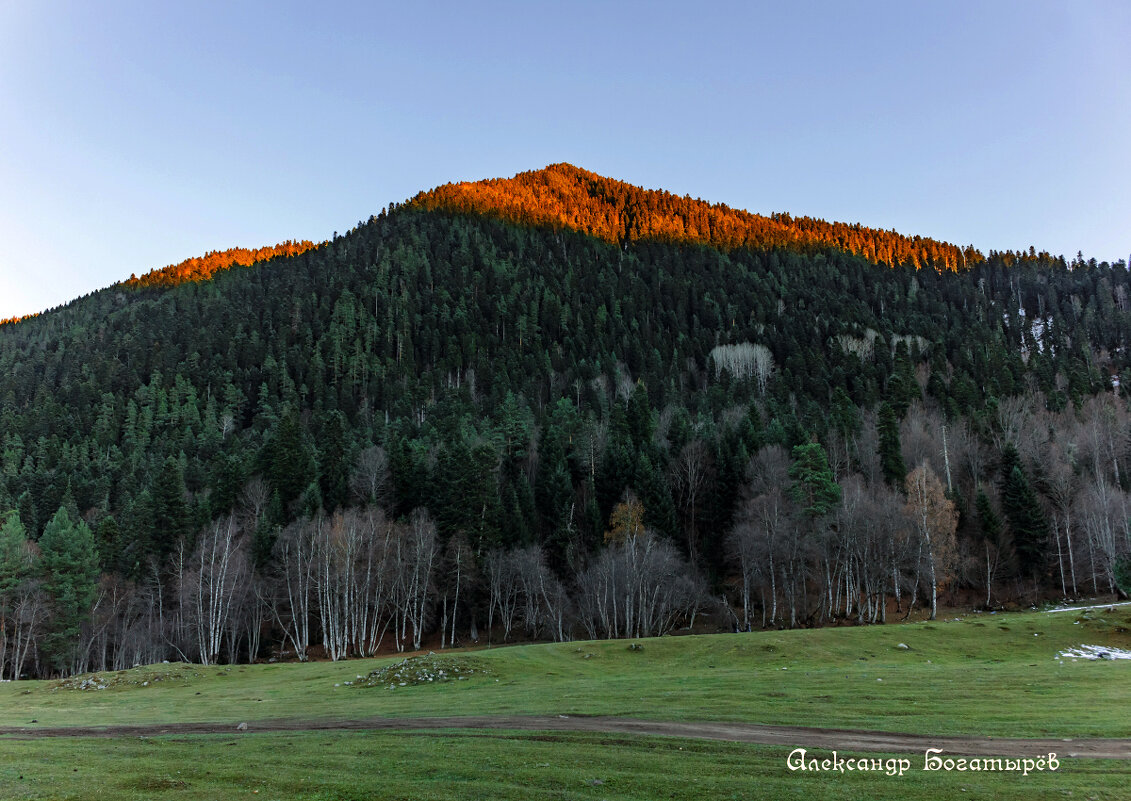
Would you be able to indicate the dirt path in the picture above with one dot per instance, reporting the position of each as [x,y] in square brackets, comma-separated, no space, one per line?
[792,736]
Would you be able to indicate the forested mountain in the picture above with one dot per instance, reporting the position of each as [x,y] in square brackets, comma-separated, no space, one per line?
[555,406]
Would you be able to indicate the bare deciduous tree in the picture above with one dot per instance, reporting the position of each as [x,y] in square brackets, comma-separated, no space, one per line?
[744,360]
[638,588]
[209,590]
[369,480]
[690,473]
[935,520]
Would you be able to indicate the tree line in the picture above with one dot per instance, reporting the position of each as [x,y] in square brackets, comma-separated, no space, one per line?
[817,536]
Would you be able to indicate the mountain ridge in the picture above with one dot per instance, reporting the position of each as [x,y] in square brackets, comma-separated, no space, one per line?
[563,195]
[619,212]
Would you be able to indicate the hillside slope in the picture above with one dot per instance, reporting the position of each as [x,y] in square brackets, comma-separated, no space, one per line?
[516,385]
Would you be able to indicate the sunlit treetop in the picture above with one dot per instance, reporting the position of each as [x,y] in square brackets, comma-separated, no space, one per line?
[201,268]
[12,320]
[562,195]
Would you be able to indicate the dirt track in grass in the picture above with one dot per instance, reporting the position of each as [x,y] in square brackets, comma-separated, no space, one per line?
[791,736]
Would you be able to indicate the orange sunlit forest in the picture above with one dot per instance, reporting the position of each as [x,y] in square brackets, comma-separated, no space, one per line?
[11,320]
[613,211]
[201,268]
[564,195]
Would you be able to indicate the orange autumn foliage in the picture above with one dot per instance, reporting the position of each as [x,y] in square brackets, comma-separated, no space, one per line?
[562,195]
[201,268]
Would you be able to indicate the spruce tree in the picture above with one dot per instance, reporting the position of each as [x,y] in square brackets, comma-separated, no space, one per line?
[16,566]
[814,488]
[656,496]
[171,521]
[69,560]
[639,418]
[890,448]
[290,465]
[332,474]
[1023,512]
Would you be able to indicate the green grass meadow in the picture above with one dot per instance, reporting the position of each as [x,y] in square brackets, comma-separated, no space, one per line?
[984,674]
[358,766]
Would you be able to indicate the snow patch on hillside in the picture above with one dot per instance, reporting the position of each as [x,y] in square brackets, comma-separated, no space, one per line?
[1093,652]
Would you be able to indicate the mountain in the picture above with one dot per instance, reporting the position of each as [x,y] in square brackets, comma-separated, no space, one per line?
[540,370]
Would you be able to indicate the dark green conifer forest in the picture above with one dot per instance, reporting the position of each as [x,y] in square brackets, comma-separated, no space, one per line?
[448,425]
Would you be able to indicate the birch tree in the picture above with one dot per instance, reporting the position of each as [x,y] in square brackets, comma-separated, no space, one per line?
[211,593]
[935,520]
[292,603]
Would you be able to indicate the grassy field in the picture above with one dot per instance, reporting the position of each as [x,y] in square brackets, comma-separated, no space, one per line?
[985,674]
[495,765]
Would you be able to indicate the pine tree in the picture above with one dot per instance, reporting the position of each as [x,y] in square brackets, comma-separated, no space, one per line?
[171,521]
[639,418]
[903,388]
[1123,575]
[16,567]
[988,521]
[814,487]
[27,513]
[890,449]
[333,477]
[289,463]
[108,539]
[229,480]
[553,495]
[1023,512]
[69,560]
[656,496]
[137,533]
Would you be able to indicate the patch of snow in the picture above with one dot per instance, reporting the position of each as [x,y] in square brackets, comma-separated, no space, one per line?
[1082,608]
[1094,652]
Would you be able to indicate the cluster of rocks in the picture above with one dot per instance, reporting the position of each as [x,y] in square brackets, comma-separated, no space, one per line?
[427,669]
[136,677]
[83,683]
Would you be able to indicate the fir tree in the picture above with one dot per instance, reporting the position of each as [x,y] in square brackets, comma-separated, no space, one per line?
[170,520]
[890,448]
[332,474]
[1023,512]
[814,488]
[69,560]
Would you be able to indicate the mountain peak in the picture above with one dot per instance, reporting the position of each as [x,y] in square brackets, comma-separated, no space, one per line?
[566,196]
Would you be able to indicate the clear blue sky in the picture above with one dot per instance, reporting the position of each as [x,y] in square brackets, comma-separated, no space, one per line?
[140,134]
